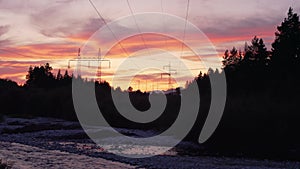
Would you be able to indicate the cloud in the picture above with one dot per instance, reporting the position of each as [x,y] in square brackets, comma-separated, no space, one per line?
[16,64]
[39,51]
[147,42]
[76,30]
[193,58]
[38,31]
[86,30]
[233,30]
[4,29]
[4,41]
[64,1]
[65,18]
[15,76]
[16,70]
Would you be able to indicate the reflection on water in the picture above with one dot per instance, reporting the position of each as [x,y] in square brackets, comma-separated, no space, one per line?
[117,145]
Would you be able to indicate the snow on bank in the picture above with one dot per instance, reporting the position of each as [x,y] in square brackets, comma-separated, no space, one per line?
[52,143]
[27,157]
[24,156]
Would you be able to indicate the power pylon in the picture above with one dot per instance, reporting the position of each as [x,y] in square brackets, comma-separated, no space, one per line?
[170,72]
[99,60]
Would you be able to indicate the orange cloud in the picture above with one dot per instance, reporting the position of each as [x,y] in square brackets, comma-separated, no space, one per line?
[145,41]
[243,34]
[19,77]
[39,51]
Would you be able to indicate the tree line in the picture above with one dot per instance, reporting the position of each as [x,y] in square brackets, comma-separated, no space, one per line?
[261,116]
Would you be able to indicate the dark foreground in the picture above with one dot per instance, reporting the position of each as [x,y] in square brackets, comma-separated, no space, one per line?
[52,143]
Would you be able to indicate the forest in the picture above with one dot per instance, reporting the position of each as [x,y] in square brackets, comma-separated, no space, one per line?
[261,116]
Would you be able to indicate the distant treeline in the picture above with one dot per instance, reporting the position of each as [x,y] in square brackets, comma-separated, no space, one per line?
[261,116]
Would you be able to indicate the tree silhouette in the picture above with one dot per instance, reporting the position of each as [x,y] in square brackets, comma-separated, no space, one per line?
[66,75]
[286,48]
[231,59]
[59,75]
[256,55]
[40,76]
[48,70]
[6,83]
[130,89]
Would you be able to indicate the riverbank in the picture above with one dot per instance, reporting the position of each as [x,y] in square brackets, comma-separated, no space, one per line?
[55,143]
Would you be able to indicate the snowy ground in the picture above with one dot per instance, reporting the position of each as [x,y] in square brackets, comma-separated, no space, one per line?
[24,156]
[53,143]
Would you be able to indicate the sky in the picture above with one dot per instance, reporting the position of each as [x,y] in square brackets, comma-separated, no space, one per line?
[34,32]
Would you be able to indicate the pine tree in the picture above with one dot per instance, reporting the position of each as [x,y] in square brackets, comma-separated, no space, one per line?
[286,47]
[59,75]
[40,76]
[66,75]
[256,55]
[262,53]
[232,58]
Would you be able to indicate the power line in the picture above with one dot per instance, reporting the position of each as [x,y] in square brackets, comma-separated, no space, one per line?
[163,21]
[141,35]
[161,6]
[114,35]
[103,20]
[184,31]
[185,24]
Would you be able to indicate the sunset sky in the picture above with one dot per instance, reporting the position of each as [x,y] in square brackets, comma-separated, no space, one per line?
[34,32]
